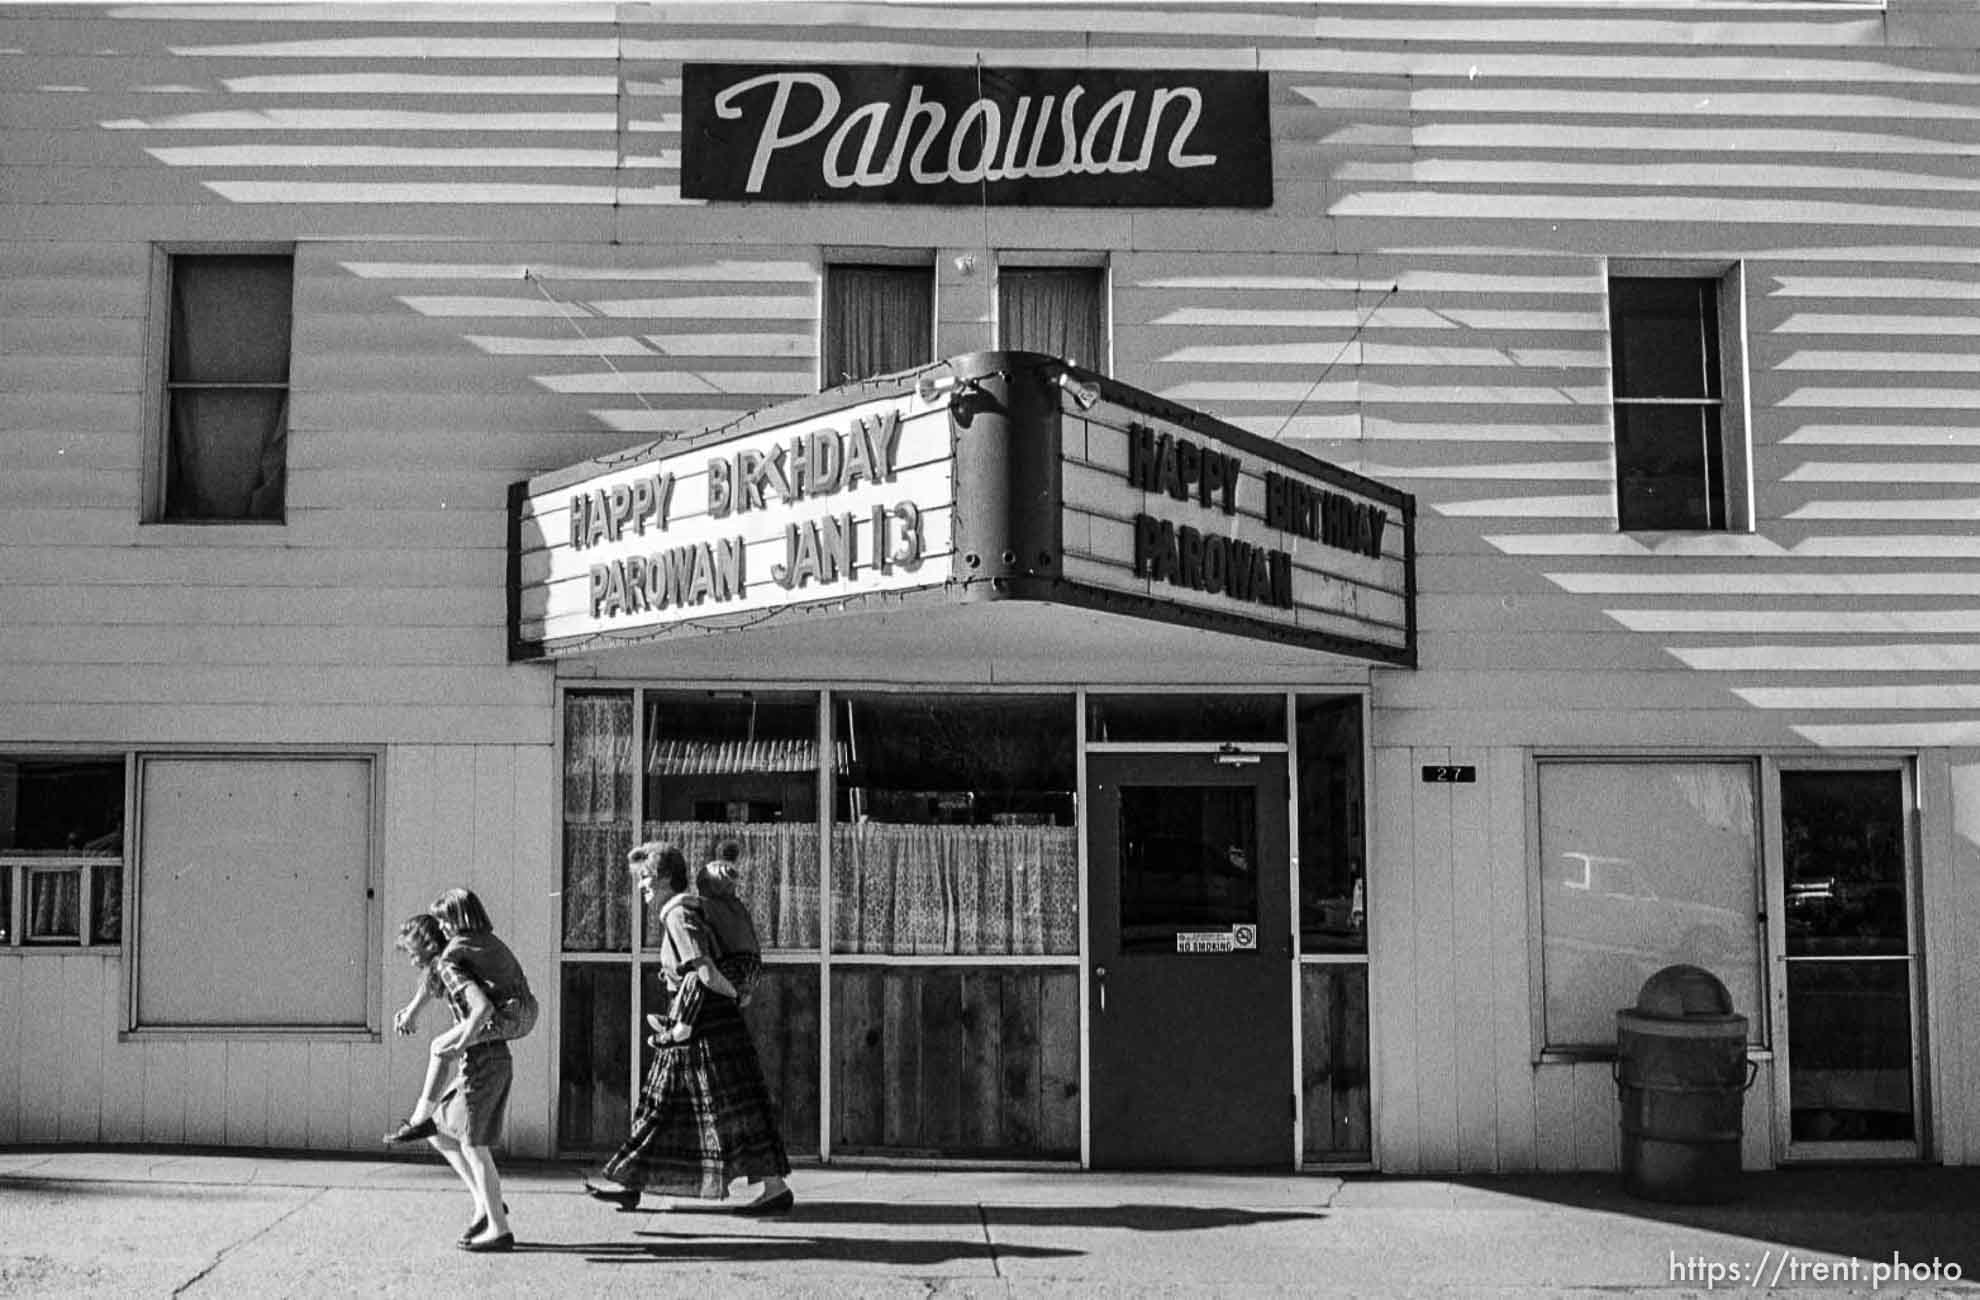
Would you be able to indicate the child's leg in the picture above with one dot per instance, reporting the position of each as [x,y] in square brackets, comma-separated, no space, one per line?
[431,1089]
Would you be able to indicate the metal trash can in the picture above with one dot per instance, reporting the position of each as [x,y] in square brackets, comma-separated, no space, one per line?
[1682,1073]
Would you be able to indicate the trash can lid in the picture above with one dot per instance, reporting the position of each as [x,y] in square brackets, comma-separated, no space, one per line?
[1683,993]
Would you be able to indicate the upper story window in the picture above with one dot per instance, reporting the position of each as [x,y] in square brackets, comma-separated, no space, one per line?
[878,319]
[1678,459]
[1058,310]
[221,452]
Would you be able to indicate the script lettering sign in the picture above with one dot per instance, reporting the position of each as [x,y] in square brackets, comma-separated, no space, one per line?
[1012,137]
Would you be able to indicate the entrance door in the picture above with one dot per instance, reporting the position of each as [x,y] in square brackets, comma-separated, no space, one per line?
[1190,936]
[1849,963]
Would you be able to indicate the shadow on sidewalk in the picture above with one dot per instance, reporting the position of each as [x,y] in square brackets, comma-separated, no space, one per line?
[1917,1214]
[1137,1218]
[691,1249]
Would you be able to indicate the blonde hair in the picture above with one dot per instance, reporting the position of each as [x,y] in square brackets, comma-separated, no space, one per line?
[460,911]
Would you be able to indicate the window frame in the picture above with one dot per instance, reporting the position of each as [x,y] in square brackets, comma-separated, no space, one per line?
[1760,1016]
[1733,498]
[1044,260]
[830,259]
[19,867]
[156,430]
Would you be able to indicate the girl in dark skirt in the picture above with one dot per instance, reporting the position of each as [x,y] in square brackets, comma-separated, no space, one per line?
[704,1116]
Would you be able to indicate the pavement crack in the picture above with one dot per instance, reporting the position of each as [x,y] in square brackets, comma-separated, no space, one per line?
[220,1257]
[983,1220]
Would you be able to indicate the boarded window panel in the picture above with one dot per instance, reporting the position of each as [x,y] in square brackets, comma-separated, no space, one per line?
[253,885]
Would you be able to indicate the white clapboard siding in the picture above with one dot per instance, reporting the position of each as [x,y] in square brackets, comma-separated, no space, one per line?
[471,815]
[497,276]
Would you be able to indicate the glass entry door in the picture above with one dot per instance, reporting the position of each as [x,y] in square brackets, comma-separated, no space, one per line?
[1190,996]
[1849,963]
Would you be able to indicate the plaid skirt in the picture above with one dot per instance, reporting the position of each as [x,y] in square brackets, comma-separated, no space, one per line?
[704,1117]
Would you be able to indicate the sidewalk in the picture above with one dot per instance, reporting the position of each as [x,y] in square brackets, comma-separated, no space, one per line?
[194,1223]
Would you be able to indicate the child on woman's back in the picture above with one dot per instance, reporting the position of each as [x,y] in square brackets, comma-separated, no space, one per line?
[738,954]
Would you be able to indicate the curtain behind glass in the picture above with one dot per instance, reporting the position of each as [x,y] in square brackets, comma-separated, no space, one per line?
[55,905]
[227,425]
[1055,310]
[878,319]
[598,828]
[777,874]
[920,889]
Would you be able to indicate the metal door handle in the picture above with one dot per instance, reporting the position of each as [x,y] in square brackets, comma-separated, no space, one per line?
[1100,974]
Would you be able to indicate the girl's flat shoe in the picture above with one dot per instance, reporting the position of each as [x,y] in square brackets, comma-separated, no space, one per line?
[507,1241]
[626,1198]
[479,1226]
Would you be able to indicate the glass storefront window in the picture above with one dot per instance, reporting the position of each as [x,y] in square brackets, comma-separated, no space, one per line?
[740,766]
[598,820]
[955,825]
[1643,865]
[1333,911]
[1185,716]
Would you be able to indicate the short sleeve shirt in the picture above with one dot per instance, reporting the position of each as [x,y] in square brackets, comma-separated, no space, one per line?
[685,942]
[479,959]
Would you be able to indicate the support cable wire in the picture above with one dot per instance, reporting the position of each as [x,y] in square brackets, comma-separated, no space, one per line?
[1328,369]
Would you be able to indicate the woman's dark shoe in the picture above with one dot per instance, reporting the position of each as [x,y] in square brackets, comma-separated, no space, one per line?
[507,1241]
[413,1130]
[781,1203]
[626,1198]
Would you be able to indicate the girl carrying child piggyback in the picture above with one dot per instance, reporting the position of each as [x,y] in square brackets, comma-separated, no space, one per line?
[462,961]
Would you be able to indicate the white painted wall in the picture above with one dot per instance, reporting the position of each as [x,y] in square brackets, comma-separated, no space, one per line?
[1423,303]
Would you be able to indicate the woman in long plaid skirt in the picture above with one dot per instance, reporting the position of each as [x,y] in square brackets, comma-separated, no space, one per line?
[704,1117]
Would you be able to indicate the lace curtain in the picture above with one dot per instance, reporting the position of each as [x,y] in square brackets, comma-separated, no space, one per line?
[779,874]
[915,889]
[598,812]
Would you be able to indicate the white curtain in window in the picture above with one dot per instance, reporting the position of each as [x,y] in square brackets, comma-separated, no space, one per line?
[924,889]
[54,905]
[878,319]
[778,876]
[1055,310]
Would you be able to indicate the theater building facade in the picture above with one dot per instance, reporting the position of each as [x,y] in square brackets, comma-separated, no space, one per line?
[1241,581]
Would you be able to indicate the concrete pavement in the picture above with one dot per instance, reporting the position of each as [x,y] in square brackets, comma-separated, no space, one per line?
[178,1222]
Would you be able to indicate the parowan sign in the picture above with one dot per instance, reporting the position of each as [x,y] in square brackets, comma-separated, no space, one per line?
[1088,137]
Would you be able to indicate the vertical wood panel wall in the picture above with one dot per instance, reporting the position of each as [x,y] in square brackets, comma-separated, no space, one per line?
[455,815]
[499,277]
